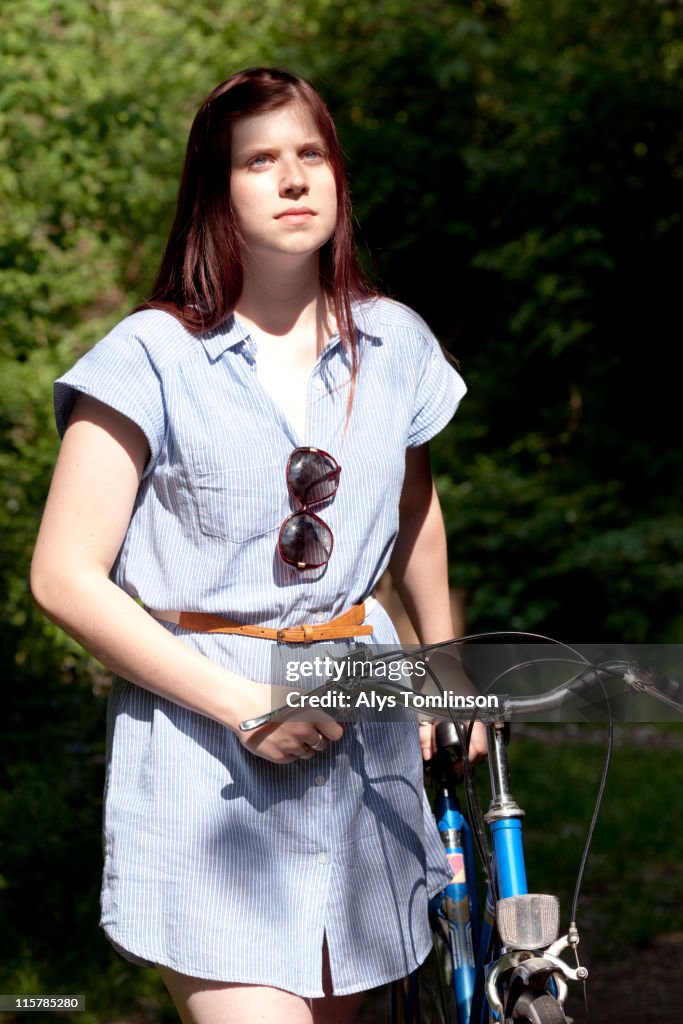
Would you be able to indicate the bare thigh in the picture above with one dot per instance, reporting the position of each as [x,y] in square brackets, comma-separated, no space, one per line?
[199,1001]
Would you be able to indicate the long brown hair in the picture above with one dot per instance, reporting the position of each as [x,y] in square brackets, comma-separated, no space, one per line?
[200,277]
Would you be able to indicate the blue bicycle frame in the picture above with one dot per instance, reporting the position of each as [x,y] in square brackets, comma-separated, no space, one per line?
[456,905]
[469,933]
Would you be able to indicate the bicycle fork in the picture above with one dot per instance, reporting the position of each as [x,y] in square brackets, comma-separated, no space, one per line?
[527,923]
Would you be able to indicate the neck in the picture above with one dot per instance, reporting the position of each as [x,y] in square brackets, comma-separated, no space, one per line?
[279,297]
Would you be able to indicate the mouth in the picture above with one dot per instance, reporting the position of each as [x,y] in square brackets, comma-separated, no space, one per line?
[296,213]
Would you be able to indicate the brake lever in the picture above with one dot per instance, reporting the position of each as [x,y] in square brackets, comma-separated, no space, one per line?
[648,680]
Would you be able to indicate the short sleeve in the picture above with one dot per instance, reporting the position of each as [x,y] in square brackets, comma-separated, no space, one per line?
[118,372]
[438,394]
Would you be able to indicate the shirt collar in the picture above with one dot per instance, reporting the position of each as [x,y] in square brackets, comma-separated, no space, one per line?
[228,335]
[233,333]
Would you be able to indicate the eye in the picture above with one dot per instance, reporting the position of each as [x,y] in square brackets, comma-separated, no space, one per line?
[313,155]
[260,160]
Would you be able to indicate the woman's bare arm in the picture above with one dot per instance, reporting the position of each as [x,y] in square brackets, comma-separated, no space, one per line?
[419,562]
[88,510]
[419,567]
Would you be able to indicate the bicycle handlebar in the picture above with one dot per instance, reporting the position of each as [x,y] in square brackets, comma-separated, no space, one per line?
[565,692]
[635,676]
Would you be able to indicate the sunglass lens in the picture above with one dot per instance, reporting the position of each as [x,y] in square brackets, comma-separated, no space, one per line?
[312,476]
[305,541]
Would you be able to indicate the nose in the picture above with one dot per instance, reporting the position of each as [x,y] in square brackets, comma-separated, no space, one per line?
[293,183]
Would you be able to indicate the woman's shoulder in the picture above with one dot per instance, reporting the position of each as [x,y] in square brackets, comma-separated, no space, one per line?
[383,317]
[161,335]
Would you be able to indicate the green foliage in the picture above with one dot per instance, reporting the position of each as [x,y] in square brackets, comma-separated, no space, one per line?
[566,512]
[515,167]
[516,172]
[633,890]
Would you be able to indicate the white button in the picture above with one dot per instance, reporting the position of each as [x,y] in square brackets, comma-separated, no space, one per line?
[318,384]
[319,616]
[323,858]
[320,780]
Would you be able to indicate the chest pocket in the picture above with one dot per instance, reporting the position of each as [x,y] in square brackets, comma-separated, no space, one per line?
[239,494]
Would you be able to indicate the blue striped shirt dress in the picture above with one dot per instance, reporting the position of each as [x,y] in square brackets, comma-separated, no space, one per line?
[219,864]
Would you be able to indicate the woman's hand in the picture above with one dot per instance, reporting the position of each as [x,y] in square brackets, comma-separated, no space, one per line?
[477,748]
[285,742]
[300,736]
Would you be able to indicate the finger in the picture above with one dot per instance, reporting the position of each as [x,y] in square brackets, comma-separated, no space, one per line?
[478,743]
[476,754]
[427,741]
[319,743]
[330,729]
[476,751]
[472,759]
[273,743]
[271,752]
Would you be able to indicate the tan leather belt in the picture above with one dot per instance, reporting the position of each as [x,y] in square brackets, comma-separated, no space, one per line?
[348,624]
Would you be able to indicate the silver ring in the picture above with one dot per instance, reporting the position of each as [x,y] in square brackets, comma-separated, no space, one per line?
[318,745]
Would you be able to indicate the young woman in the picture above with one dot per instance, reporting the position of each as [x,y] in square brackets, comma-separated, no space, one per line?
[198,535]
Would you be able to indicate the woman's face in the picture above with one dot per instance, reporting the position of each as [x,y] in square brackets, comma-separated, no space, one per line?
[282,188]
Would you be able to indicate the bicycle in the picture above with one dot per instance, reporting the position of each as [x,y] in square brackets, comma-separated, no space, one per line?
[501,961]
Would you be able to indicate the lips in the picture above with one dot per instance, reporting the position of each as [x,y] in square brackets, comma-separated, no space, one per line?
[296,211]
